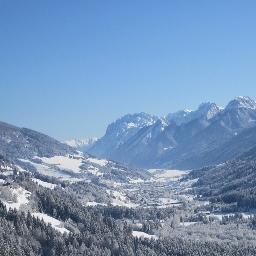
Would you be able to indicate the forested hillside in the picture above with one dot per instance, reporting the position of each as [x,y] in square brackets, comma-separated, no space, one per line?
[91,232]
[231,182]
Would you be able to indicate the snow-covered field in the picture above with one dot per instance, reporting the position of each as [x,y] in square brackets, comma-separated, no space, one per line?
[64,162]
[64,167]
[44,184]
[94,204]
[165,174]
[168,200]
[101,162]
[144,235]
[48,170]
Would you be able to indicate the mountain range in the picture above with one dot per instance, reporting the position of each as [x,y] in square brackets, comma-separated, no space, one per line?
[57,200]
[186,139]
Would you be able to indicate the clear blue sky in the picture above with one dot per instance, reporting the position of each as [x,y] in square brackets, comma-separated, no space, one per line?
[68,68]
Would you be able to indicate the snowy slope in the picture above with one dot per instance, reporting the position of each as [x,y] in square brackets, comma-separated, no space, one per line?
[56,224]
[80,167]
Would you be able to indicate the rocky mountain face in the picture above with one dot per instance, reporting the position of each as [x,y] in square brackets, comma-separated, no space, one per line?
[185,139]
[205,110]
[203,145]
[119,132]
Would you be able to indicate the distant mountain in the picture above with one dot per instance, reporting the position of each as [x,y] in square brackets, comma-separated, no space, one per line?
[204,145]
[144,146]
[234,147]
[120,132]
[185,139]
[180,117]
[242,102]
[81,144]
[205,110]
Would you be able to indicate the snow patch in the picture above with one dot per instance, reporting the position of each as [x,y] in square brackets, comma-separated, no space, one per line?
[44,184]
[81,142]
[163,174]
[94,204]
[136,181]
[56,224]
[144,235]
[187,224]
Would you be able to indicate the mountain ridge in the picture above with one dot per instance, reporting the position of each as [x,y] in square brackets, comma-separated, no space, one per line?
[16,142]
[182,139]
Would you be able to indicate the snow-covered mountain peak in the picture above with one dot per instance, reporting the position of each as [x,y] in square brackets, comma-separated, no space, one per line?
[130,121]
[77,143]
[160,124]
[163,122]
[207,110]
[242,102]
[121,131]
[82,144]
[178,117]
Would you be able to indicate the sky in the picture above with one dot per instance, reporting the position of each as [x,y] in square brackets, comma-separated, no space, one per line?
[69,68]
